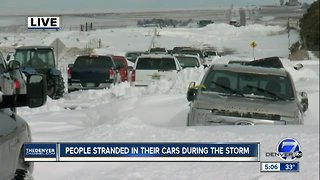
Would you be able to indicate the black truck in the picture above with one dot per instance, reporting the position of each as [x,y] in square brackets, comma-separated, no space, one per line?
[92,72]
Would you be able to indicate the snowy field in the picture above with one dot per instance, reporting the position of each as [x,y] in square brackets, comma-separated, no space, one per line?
[158,113]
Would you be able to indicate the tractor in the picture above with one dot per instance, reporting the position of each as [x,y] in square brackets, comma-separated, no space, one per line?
[41,59]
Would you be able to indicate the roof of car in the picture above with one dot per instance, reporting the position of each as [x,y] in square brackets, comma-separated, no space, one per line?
[249,69]
[156,56]
[185,55]
[95,55]
[34,47]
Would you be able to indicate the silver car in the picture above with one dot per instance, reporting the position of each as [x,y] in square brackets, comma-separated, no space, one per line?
[245,95]
[15,131]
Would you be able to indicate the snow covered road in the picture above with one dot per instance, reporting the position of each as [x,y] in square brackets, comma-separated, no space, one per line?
[158,113]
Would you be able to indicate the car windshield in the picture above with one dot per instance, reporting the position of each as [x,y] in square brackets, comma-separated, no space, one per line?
[132,56]
[40,58]
[119,61]
[156,63]
[93,61]
[211,53]
[249,85]
[188,61]
[192,52]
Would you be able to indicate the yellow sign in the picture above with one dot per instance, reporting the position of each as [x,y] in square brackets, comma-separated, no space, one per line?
[253,44]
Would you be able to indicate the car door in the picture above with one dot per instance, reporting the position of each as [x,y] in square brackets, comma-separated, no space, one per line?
[9,144]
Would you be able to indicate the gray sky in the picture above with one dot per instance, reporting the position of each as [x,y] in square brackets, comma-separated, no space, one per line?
[121,5]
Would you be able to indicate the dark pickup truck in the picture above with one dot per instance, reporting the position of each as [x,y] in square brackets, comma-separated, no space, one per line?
[92,72]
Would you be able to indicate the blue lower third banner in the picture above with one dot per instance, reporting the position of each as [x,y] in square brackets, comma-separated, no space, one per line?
[153,152]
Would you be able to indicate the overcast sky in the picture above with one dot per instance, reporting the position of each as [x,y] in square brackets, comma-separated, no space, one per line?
[121,5]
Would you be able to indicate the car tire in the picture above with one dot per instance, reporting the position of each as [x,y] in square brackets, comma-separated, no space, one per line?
[56,87]
[22,174]
[24,169]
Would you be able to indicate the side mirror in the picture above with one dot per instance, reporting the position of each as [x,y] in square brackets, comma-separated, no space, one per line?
[36,90]
[304,101]
[205,65]
[70,65]
[298,66]
[191,91]
[129,68]
[13,65]
[8,57]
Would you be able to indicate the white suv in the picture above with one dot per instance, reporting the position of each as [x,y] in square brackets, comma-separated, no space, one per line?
[150,68]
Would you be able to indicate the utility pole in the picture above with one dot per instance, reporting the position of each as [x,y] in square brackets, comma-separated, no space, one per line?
[288,28]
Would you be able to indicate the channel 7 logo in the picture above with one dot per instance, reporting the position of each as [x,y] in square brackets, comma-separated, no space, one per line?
[288,149]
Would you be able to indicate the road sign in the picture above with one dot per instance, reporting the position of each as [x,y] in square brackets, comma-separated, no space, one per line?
[253,44]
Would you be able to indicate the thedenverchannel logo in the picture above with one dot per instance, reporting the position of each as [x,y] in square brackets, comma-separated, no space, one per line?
[43,23]
[288,149]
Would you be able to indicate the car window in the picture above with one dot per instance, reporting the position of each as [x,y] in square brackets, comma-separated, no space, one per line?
[156,63]
[44,55]
[94,61]
[249,84]
[188,61]
[158,50]
[211,53]
[192,52]
[119,63]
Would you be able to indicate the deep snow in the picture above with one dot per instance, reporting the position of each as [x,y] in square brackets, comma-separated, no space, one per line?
[158,113]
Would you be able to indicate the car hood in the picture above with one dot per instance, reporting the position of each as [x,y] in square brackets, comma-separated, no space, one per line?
[209,100]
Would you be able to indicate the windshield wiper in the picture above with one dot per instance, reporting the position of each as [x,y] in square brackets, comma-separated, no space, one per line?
[228,88]
[274,95]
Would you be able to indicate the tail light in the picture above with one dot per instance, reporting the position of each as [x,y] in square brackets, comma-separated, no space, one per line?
[111,74]
[133,75]
[17,84]
[69,73]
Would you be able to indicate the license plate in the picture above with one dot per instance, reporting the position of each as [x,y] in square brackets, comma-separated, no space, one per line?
[90,84]
[156,76]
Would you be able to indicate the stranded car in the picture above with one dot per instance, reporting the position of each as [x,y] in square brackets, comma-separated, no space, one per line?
[245,95]
[122,65]
[92,72]
[188,61]
[194,51]
[133,55]
[14,131]
[150,68]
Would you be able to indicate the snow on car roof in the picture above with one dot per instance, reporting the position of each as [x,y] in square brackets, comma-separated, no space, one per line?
[251,69]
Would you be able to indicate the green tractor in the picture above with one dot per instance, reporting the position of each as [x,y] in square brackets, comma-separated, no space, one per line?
[41,59]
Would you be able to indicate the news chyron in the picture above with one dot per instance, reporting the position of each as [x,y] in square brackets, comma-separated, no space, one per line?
[43,23]
[286,154]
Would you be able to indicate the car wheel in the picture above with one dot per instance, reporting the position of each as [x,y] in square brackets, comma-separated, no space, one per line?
[55,87]
[24,169]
